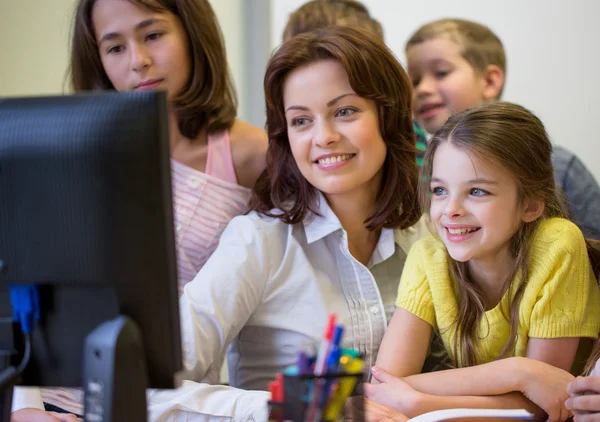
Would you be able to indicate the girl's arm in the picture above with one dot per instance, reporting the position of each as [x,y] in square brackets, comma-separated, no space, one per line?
[249,152]
[559,352]
[400,395]
[405,343]
[507,384]
[537,384]
[536,380]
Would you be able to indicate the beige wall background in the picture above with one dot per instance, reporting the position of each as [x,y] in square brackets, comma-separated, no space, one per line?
[33,46]
[35,37]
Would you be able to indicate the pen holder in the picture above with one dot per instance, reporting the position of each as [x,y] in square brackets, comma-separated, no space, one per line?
[311,398]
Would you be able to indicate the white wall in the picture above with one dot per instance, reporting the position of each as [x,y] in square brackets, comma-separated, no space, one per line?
[552,49]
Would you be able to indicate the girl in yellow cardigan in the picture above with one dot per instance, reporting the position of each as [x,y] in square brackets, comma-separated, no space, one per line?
[506,274]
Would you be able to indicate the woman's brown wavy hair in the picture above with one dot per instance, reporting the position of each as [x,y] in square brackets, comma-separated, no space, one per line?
[515,139]
[375,74]
[207,101]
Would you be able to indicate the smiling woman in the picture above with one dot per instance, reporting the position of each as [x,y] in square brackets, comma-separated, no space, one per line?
[324,103]
[334,138]
[333,218]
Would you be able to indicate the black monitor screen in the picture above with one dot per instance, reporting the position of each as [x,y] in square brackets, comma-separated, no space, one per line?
[86,213]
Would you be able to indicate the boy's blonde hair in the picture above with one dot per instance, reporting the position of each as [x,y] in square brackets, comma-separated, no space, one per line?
[317,14]
[479,45]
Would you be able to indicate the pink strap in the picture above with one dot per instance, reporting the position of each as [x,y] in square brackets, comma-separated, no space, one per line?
[219,162]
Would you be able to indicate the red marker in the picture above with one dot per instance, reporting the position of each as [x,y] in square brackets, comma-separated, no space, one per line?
[321,363]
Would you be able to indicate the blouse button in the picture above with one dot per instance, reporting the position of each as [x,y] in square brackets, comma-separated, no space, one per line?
[195,183]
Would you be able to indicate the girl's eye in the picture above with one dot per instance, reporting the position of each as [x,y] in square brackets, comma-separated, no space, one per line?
[437,191]
[154,36]
[478,192]
[115,49]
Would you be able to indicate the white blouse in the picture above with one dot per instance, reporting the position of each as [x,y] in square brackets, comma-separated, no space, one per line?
[265,294]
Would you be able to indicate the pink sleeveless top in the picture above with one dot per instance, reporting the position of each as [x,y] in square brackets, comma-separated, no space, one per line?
[203,204]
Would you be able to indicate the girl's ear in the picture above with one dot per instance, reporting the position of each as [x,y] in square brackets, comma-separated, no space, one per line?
[534,207]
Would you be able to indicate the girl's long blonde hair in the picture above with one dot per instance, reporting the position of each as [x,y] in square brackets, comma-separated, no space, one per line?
[515,139]
[594,357]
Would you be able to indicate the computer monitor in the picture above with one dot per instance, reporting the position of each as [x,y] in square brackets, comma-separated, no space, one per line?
[86,214]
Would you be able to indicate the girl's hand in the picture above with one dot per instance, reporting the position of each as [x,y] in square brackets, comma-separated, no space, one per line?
[546,386]
[393,392]
[585,399]
[36,415]
[362,409]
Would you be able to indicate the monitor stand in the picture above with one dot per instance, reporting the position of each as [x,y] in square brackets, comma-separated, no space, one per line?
[115,377]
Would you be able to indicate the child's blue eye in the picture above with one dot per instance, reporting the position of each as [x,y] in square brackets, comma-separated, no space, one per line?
[478,192]
[437,191]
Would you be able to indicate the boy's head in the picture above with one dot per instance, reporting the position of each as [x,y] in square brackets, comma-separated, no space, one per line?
[454,64]
[317,14]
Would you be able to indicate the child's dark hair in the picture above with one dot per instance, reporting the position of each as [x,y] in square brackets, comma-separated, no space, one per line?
[515,139]
[207,101]
[317,14]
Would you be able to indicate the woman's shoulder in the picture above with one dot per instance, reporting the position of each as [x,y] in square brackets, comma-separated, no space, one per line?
[248,150]
[264,237]
[253,224]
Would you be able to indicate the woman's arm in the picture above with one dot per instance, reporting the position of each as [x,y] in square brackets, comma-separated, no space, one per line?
[214,308]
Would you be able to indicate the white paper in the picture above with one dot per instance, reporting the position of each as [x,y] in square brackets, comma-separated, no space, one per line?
[442,415]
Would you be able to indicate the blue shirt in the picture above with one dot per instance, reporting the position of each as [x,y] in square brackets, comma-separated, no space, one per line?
[581,190]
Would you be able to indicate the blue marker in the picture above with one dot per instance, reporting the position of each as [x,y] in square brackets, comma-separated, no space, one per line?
[333,361]
[334,354]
